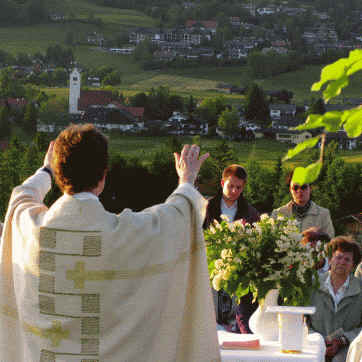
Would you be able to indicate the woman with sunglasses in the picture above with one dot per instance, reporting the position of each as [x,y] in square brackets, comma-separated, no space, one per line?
[304,210]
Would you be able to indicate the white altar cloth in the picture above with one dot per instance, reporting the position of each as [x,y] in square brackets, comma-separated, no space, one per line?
[313,351]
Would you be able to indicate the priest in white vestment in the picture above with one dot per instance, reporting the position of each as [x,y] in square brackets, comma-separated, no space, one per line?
[80,284]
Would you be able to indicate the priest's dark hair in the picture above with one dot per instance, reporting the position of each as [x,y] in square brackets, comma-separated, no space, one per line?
[80,158]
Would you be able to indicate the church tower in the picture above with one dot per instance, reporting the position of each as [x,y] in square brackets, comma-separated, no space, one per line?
[74,91]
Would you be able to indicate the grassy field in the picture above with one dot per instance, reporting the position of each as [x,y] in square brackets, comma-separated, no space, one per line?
[202,82]
[266,152]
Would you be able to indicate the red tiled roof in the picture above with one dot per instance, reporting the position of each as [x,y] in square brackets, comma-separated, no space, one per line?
[209,24]
[18,102]
[135,111]
[94,97]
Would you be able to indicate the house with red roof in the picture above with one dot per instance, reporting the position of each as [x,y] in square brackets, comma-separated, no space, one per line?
[14,103]
[136,112]
[94,98]
[203,25]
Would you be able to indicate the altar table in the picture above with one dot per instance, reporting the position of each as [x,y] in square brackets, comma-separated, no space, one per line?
[313,350]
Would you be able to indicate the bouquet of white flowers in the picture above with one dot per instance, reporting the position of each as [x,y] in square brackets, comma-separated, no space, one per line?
[262,256]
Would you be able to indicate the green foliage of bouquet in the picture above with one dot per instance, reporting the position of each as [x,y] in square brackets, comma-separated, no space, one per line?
[263,256]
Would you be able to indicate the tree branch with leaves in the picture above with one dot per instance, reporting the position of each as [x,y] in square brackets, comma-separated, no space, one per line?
[334,78]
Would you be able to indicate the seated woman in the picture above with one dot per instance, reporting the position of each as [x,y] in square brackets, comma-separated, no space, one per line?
[338,300]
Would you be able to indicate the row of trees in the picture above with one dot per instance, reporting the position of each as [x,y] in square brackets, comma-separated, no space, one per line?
[23,12]
[55,55]
[338,188]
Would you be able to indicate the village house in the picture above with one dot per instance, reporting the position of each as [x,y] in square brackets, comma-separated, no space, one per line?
[323,34]
[95,38]
[274,49]
[320,14]
[141,34]
[235,21]
[123,51]
[266,11]
[282,111]
[112,117]
[94,81]
[188,5]
[290,11]
[291,136]
[192,37]
[56,17]
[202,25]
[343,141]
[236,49]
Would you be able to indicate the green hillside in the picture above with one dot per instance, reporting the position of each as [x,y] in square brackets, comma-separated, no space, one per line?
[200,81]
[79,13]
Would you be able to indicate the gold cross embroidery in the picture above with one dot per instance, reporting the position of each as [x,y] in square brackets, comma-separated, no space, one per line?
[56,333]
[79,275]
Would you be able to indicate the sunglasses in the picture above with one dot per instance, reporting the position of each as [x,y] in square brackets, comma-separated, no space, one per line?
[303,187]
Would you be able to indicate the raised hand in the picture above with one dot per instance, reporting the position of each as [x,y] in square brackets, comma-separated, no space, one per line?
[48,157]
[188,163]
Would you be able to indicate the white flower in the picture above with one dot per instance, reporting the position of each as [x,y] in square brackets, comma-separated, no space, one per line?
[217,281]
[217,225]
[226,253]
[264,217]
[231,227]
[224,217]
[219,264]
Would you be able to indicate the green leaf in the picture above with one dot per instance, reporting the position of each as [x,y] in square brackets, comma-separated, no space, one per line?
[355,68]
[353,124]
[310,143]
[355,54]
[331,121]
[331,72]
[334,88]
[308,174]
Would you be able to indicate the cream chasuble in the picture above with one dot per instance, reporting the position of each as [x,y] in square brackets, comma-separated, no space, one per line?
[80,284]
